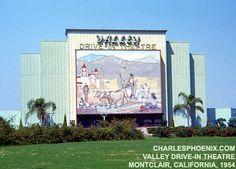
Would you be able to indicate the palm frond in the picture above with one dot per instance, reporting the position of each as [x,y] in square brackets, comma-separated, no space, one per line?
[179,107]
[187,106]
[39,102]
[50,105]
[198,100]
[200,108]
[184,96]
[31,109]
[191,97]
[29,113]
[30,104]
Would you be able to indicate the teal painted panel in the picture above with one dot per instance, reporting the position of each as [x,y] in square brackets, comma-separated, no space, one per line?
[30,82]
[55,77]
[199,84]
[178,77]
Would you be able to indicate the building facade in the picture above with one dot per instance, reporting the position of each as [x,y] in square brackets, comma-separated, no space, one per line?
[96,74]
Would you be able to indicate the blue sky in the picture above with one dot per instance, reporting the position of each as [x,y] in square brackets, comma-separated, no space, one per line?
[209,26]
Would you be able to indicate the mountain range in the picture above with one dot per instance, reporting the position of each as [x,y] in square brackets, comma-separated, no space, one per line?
[111,66]
[148,59]
[92,57]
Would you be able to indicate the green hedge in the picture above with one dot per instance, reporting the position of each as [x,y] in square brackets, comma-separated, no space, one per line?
[191,132]
[116,130]
[5,131]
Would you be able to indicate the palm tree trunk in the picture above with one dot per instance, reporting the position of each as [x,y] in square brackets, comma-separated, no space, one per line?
[44,119]
[193,116]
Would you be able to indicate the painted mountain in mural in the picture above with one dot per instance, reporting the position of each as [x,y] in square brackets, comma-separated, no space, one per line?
[148,59]
[91,57]
[109,59]
[111,66]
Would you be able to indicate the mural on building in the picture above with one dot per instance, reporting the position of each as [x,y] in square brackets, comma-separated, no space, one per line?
[118,81]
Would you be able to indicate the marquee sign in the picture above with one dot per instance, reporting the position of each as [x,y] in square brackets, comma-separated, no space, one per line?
[118,41]
[114,42]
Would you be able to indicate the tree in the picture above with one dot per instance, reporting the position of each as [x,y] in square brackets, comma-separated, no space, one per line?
[40,107]
[221,122]
[64,121]
[21,125]
[189,106]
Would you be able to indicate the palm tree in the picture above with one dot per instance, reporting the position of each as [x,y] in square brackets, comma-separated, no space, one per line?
[189,106]
[40,107]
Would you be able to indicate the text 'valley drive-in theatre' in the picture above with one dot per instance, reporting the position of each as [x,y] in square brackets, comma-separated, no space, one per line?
[98,74]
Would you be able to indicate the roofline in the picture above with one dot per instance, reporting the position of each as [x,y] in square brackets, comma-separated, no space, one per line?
[114,30]
[221,108]
[178,41]
[53,41]
[197,53]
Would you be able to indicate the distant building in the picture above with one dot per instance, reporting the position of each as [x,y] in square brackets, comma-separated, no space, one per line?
[215,113]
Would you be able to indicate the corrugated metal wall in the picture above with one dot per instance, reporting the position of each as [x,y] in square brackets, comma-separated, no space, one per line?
[55,76]
[198,86]
[30,82]
[178,74]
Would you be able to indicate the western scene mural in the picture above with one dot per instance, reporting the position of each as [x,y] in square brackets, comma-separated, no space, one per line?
[118,82]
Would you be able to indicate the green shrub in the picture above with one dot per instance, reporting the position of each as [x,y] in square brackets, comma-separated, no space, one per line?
[105,134]
[161,131]
[67,134]
[79,133]
[228,132]
[125,130]
[102,123]
[209,131]
[186,132]
[53,135]
[6,131]
[35,134]
[191,132]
